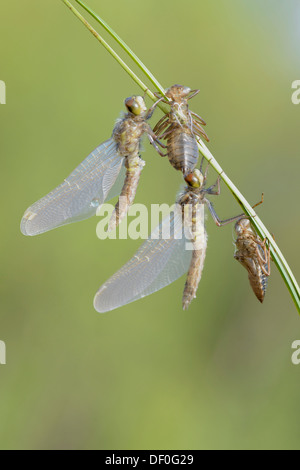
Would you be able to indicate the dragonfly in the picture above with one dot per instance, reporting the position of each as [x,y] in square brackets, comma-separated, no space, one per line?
[181,128]
[252,252]
[178,245]
[112,169]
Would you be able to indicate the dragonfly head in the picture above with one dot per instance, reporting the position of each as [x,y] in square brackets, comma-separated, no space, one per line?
[177,92]
[195,179]
[136,105]
[242,226]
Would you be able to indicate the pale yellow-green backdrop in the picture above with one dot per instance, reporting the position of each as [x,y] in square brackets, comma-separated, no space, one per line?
[147,375]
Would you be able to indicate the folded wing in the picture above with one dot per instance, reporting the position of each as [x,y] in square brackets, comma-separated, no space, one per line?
[159,261]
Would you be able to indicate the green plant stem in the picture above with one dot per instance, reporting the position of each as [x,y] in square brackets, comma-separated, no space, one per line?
[124,46]
[277,256]
[263,232]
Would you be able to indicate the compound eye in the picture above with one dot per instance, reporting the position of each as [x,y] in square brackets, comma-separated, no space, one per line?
[186,90]
[132,105]
[194,179]
[135,105]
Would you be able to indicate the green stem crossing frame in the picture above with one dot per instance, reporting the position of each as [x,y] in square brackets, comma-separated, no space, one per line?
[263,232]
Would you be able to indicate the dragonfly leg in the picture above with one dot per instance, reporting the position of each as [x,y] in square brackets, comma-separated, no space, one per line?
[165,116]
[201,165]
[158,130]
[161,98]
[206,170]
[167,132]
[151,110]
[160,125]
[160,143]
[154,136]
[196,117]
[199,131]
[191,122]
[215,217]
[193,93]
[260,202]
[155,142]
[205,173]
[266,259]
[263,258]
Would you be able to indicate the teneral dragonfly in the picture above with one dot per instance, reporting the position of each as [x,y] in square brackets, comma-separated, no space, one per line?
[176,246]
[99,177]
[181,127]
[253,254]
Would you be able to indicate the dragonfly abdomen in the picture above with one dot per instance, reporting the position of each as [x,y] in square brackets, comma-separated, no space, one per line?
[258,283]
[193,276]
[199,245]
[134,165]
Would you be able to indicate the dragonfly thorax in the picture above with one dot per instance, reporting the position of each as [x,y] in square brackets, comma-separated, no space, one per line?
[127,134]
[179,107]
[177,93]
[243,226]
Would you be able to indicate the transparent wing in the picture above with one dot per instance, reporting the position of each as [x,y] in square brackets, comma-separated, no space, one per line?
[158,262]
[78,197]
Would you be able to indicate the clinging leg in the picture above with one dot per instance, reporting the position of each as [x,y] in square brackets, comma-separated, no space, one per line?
[215,217]
[155,143]
[217,184]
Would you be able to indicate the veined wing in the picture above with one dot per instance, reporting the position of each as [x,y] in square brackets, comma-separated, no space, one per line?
[80,195]
[158,262]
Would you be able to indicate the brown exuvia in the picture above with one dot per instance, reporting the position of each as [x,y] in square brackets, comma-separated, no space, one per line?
[181,128]
[253,254]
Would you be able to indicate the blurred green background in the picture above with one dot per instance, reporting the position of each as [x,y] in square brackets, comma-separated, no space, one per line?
[147,375]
